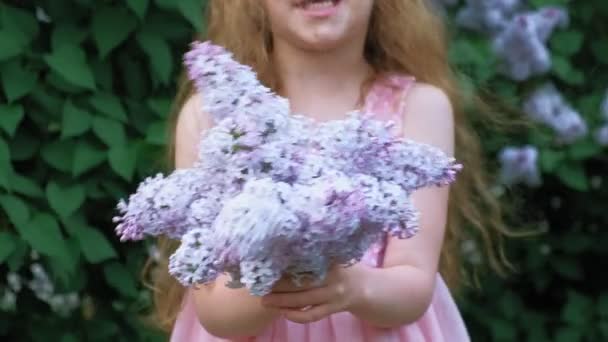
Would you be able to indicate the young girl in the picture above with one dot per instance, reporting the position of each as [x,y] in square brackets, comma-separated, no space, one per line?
[330,57]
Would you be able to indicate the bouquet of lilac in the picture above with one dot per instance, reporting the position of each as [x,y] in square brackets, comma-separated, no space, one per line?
[276,194]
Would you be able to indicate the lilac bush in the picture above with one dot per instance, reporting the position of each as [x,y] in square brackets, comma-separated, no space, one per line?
[274,193]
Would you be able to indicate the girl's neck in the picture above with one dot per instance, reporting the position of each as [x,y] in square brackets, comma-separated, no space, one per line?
[306,75]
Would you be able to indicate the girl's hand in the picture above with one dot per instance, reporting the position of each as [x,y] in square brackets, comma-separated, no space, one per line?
[341,290]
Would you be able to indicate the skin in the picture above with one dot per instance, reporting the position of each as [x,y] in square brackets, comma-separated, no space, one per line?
[322,67]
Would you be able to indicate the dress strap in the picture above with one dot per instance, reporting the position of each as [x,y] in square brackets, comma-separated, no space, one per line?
[387,97]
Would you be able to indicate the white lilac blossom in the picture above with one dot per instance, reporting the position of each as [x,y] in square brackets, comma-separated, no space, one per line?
[8,301]
[604,107]
[487,15]
[521,45]
[519,165]
[14,282]
[546,105]
[44,290]
[274,193]
[601,135]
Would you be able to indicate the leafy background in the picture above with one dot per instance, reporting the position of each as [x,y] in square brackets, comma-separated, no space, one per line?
[86,90]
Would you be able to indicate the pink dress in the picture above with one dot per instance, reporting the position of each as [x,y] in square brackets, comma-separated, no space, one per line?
[442,321]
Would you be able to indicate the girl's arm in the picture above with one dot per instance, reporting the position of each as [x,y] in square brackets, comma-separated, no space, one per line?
[224,312]
[401,291]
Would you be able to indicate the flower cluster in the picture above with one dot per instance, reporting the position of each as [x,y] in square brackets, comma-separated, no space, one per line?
[519,36]
[41,286]
[487,15]
[519,165]
[546,105]
[601,134]
[522,44]
[277,194]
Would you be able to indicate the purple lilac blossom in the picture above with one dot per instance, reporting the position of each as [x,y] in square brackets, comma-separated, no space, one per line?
[601,135]
[604,107]
[546,105]
[519,165]
[521,45]
[274,193]
[487,15]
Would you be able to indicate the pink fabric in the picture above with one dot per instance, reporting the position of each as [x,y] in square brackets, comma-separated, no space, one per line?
[441,322]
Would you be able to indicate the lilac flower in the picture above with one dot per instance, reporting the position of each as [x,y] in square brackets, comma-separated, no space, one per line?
[8,301]
[519,165]
[521,44]
[601,135]
[546,105]
[604,107]
[274,193]
[487,15]
[159,205]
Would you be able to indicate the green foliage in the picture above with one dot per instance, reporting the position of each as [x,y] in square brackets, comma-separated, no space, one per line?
[558,292]
[85,90]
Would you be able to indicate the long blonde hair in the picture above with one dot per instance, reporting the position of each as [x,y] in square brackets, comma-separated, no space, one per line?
[405,36]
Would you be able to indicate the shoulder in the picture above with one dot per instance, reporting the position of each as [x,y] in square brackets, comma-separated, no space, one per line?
[428,116]
[191,116]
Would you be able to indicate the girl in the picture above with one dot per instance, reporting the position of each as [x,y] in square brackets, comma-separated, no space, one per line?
[330,57]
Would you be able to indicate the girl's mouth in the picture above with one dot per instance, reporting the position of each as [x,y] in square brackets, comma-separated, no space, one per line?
[318,8]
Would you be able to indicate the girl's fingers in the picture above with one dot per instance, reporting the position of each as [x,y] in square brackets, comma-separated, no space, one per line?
[312,314]
[286,285]
[297,299]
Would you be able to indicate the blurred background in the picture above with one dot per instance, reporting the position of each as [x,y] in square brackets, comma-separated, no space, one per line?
[86,88]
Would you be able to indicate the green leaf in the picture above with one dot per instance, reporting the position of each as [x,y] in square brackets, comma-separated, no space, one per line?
[10,117]
[157,133]
[550,159]
[110,27]
[139,7]
[160,106]
[567,43]
[69,61]
[65,200]
[17,81]
[567,267]
[67,34]
[577,310]
[12,44]
[59,154]
[25,186]
[600,49]
[192,10]
[86,157]
[573,175]
[123,160]
[76,121]
[24,146]
[166,4]
[20,21]
[44,235]
[16,210]
[7,245]
[109,105]
[563,69]
[119,278]
[94,245]
[584,149]
[6,168]
[159,55]
[111,132]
